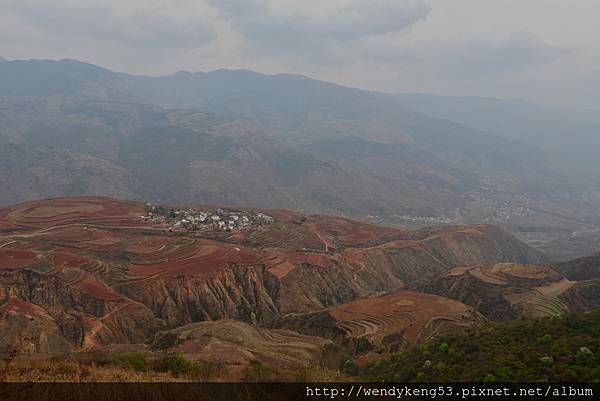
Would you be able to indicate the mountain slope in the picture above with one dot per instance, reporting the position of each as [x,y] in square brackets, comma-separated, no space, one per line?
[585,268]
[199,157]
[39,172]
[569,133]
[544,350]
[98,272]
[505,291]
[277,141]
[64,77]
[304,112]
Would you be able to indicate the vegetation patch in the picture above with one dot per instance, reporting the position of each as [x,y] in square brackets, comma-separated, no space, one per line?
[547,349]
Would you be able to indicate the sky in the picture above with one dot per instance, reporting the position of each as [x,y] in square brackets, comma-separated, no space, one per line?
[546,51]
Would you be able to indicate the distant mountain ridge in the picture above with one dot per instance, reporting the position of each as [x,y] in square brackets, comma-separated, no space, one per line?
[61,78]
[277,141]
[570,133]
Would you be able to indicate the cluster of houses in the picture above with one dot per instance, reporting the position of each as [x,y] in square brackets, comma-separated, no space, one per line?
[426,219]
[502,214]
[192,220]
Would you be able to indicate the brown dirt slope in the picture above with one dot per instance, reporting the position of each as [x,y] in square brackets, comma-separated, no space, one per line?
[387,322]
[236,344]
[504,290]
[102,275]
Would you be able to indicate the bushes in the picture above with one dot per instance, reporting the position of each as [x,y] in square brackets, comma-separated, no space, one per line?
[350,367]
[134,361]
[362,345]
[256,371]
[547,349]
[176,365]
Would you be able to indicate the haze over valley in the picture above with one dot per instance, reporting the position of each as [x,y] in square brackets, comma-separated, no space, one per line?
[284,191]
[241,138]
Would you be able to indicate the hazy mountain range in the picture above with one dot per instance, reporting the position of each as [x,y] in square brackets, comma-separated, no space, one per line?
[569,133]
[278,141]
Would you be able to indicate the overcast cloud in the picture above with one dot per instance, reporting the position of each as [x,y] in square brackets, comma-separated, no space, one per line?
[543,50]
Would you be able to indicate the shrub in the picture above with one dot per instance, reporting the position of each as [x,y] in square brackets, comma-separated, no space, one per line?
[135,361]
[584,355]
[350,367]
[199,371]
[544,340]
[257,371]
[174,364]
[440,366]
[519,350]
[362,345]
[489,378]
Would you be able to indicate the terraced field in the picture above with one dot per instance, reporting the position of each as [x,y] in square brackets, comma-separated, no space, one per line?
[387,322]
[505,290]
[236,344]
[70,211]
[92,272]
[542,301]
[404,317]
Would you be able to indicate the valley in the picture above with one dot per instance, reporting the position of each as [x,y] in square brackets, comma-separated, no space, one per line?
[283,141]
[277,200]
[93,274]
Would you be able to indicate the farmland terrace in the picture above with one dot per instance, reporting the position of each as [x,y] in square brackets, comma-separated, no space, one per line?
[79,274]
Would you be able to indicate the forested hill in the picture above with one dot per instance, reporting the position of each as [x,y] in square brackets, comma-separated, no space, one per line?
[549,349]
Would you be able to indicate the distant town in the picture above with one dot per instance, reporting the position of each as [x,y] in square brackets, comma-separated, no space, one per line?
[504,212]
[427,219]
[194,220]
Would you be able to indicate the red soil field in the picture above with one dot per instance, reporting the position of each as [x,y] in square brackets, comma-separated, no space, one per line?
[84,231]
[97,245]
[415,315]
[351,233]
[18,306]
[98,289]
[68,261]
[16,258]
[203,256]
[62,211]
[281,263]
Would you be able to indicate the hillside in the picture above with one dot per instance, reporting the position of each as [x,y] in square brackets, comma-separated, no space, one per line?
[549,349]
[281,141]
[387,323]
[85,273]
[569,133]
[351,126]
[585,268]
[506,291]
[42,172]
[30,78]
[89,109]
[184,157]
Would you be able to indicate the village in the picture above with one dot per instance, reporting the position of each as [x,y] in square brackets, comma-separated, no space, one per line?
[426,219]
[194,220]
[501,214]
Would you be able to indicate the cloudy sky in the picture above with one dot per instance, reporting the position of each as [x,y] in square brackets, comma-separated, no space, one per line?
[542,50]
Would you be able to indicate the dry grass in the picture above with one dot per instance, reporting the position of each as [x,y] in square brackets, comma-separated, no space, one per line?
[70,370]
[103,368]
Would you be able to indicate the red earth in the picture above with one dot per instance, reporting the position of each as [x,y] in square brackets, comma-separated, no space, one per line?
[101,270]
[99,235]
